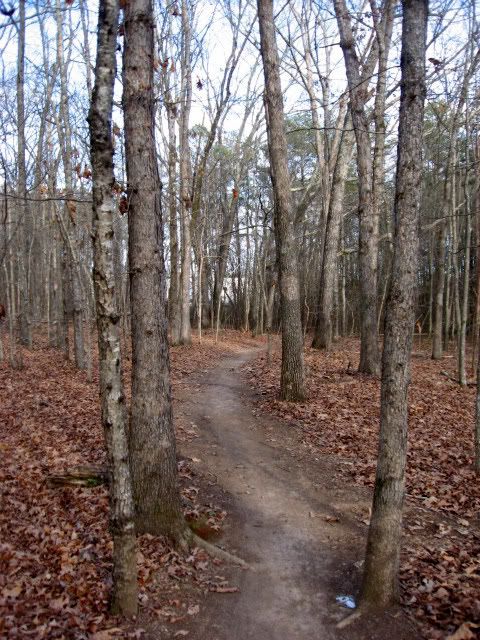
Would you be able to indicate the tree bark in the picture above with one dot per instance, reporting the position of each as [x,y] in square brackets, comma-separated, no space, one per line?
[23,209]
[323,328]
[174,290]
[292,384]
[112,398]
[185,171]
[152,439]
[439,288]
[78,301]
[380,581]
[368,239]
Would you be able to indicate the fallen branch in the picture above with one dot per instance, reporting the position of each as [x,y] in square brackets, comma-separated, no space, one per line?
[95,476]
[79,477]
[470,383]
[348,620]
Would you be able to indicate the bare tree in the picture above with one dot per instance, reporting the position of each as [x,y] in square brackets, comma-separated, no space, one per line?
[23,209]
[114,414]
[185,173]
[367,211]
[292,384]
[152,439]
[380,581]
[66,217]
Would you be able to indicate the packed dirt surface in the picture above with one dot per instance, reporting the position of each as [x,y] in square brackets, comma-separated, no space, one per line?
[289,518]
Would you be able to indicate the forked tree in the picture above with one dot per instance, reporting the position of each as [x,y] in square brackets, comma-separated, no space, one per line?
[370,170]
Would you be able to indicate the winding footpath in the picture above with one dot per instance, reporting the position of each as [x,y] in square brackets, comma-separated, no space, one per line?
[289,518]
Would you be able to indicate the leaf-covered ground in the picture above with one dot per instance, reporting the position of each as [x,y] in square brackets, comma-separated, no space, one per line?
[55,549]
[440,569]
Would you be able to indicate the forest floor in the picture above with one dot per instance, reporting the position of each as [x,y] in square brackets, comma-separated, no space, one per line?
[285,487]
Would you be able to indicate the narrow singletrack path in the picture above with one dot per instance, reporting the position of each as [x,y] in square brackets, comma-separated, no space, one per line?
[288,520]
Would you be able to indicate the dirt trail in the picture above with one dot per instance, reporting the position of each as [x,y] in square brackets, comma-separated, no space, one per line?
[283,507]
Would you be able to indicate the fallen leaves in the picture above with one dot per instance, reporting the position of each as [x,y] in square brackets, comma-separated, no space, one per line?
[464,632]
[55,547]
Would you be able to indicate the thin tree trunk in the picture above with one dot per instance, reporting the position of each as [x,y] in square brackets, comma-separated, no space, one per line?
[439,288]
[64,302]
[292,384]
[15,349]
[114,414]
[462,338]
[323,328]
[78,301]
[23,231]
[368,216]
[174,290]
[185,195]
[380,580]
[476,334]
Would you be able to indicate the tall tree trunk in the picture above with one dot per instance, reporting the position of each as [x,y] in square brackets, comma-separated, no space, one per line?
[439,288]
[292,384]
[23,210]
[185,195]
[380,581]
[323,328]
[152,439]
[114,414]
[174,290]
[476,332]
[15,349]
[368,238]
[462,337]
[78,301]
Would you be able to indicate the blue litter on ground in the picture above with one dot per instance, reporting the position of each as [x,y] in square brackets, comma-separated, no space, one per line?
[346,601]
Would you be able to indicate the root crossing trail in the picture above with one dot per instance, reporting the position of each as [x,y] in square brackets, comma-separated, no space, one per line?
[287,519]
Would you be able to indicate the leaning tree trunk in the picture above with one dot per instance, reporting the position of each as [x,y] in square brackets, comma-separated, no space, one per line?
[292,384]
[114,414]
[380,581]
[152,439]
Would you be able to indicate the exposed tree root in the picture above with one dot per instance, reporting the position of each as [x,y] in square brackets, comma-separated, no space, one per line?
[215,551]
[85,476]
[349,620]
